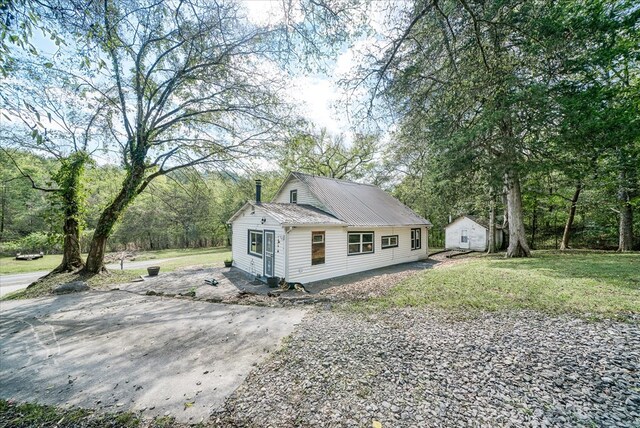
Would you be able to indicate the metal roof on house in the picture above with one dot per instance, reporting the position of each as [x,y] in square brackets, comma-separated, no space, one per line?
[293,214]
[299,214]
[359,204]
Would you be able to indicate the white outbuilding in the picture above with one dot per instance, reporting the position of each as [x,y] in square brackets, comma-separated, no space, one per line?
[469,233]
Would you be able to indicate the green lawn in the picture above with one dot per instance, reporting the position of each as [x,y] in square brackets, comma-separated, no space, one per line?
[9,265]
[208,257]
[588,283]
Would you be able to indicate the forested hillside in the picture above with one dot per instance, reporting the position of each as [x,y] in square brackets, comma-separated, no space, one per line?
[187,209]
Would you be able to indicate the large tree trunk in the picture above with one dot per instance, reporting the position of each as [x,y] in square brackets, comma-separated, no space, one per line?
[71,256]
[505,220]
[69,179]
[625,241]
[534,222]
[517,238]
[109,217]
[564,245]
[491,247]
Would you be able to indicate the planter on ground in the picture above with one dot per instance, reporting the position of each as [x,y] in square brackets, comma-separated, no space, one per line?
[153,270]
[228,264]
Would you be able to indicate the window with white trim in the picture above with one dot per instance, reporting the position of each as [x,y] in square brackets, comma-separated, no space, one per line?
[293,197]
[389,241]
[464,236]
[255,243]
[360,242]
[317,248]
[416,239]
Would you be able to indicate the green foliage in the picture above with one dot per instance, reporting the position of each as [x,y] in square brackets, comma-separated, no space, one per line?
[33,243]
[23,210]
[320,154]
[550,89]
[20,18]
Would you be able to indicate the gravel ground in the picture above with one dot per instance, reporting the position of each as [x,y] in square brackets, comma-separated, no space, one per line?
[416,368]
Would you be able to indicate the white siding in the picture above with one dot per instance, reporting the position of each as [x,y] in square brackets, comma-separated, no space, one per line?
[337,262]
[477,234]
[239,241]
[304,195]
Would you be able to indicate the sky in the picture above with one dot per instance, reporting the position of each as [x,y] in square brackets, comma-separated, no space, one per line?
[317,95]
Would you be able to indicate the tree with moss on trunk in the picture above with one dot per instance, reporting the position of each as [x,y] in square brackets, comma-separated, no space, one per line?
[189,84]
[49,114]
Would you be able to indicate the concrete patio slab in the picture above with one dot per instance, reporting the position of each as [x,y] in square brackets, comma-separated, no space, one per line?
[118,351]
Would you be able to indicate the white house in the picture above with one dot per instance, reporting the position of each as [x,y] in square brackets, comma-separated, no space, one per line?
[469,233]
[317,228]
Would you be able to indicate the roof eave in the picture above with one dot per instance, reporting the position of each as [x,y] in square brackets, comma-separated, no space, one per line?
[313,224]
[427,225]
[237,213]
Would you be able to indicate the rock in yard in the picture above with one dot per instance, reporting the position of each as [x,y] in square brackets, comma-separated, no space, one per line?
[71,287]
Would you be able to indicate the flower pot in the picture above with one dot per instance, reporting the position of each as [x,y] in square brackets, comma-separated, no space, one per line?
[228,264]
[272,281]
[153,270]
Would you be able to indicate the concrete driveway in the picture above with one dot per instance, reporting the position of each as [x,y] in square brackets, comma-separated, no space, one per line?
[117,351]
[18,281]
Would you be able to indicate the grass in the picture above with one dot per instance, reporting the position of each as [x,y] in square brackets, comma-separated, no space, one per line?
[592,284]
[183,252]
[210,257]
[37,415]
[23,415]
[9,265]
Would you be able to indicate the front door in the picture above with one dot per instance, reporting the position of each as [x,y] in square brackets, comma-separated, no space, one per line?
[269,252]
[464,238]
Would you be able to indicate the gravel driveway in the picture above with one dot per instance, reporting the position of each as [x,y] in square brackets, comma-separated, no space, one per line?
[117,351]
[417,368]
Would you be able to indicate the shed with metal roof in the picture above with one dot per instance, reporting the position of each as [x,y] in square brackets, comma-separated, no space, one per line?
[470,233]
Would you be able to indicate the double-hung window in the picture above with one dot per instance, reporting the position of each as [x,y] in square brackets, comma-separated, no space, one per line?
[293,197]
[317,248]
[360,242]
[390,241]
[255,243]
[416,239]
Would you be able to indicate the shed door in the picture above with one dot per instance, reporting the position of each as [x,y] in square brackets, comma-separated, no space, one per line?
[464,238]
[269,251]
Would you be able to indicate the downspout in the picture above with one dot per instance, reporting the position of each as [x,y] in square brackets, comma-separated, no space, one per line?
[287,229]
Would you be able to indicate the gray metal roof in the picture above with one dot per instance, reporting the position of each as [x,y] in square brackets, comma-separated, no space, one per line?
[475,219]
[298,214]
[359,204]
